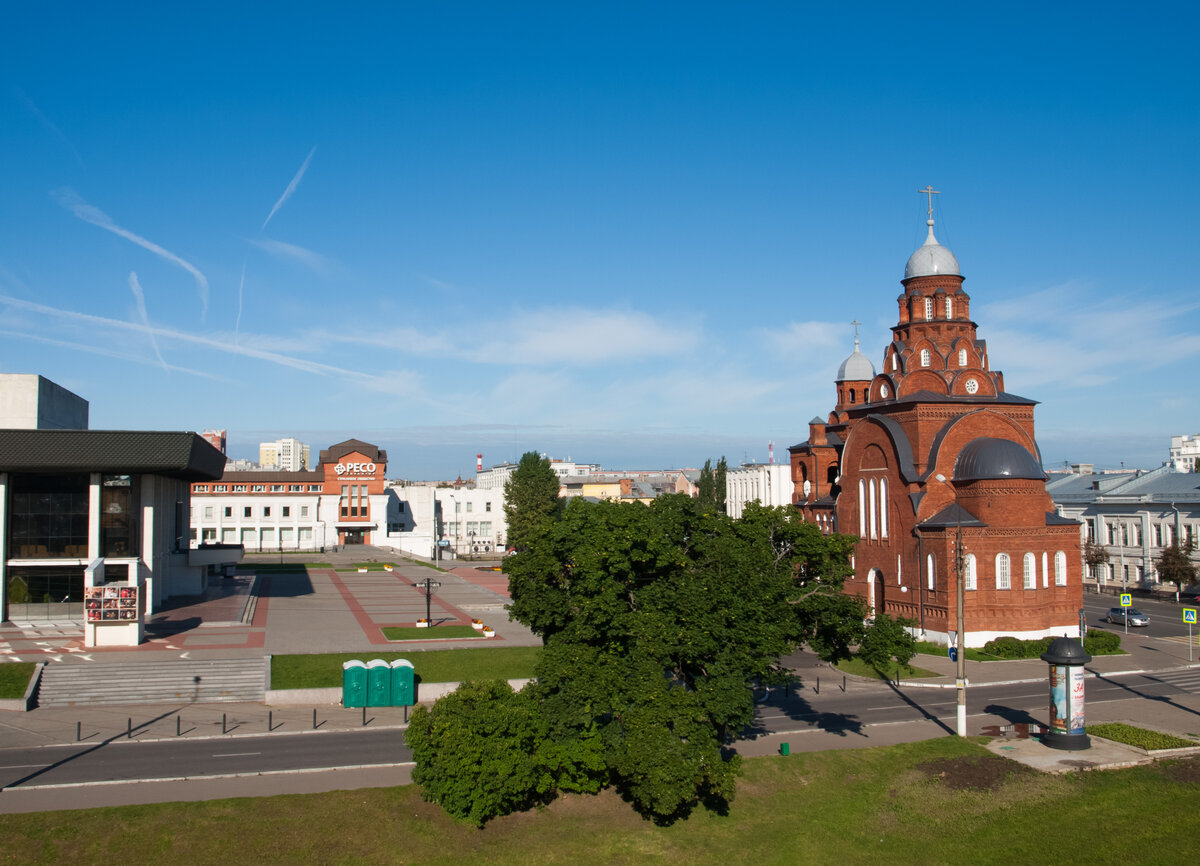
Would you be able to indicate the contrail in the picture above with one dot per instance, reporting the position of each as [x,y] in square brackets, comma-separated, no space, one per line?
[291,187]
[136,287]
[71,200]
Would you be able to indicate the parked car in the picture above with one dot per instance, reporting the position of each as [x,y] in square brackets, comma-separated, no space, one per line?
[1190,594]
[1117,615]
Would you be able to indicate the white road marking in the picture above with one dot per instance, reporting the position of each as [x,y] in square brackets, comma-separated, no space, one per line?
[237,754]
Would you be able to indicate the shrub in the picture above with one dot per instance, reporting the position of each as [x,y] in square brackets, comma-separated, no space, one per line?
[1140,737]
[1100,642]
[1004,647]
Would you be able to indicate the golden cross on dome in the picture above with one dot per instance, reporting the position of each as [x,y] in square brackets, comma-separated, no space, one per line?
[930,192]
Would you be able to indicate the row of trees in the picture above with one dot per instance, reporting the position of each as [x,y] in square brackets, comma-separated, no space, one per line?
[656,622]
[1174,564]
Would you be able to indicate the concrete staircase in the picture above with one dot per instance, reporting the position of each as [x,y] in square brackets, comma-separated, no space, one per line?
[174,681]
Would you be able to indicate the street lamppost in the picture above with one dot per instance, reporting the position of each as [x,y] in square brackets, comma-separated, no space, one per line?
[961,672]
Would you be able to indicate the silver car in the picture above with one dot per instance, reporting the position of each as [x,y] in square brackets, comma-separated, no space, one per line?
[1118,616]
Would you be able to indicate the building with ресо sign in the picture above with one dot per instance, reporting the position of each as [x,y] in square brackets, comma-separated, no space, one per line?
[342,501]
[930,449]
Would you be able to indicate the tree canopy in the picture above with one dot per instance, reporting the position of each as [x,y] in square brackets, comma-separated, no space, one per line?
[657,618]
[530,498]
[1175,564]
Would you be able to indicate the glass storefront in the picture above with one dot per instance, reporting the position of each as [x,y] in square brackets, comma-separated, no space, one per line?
[53,593]
[48,516]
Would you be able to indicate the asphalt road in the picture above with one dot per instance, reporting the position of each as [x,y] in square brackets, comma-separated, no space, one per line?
[1166,617]
[805,709]
[117,760]
[1018,703]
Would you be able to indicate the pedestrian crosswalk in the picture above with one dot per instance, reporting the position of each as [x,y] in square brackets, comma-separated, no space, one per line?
[1187,680]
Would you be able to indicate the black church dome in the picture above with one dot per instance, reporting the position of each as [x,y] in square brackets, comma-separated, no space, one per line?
[985,458]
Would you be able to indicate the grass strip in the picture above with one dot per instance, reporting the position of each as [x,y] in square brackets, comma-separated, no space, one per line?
[437,632]
[1141,737]
[14,679]
[859,668]
[324,670]
[941,801]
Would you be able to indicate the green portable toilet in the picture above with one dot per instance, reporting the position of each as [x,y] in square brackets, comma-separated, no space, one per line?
[379,686]
[402,683]
[354,683]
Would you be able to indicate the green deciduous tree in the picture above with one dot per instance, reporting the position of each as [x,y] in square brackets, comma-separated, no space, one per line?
[1175,564]
[1094,555]
[706,487]
[530,499]
[482,751]
[656,619]
[719,477]
[887,640]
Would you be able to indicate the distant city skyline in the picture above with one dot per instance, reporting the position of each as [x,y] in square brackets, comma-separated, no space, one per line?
[623,235]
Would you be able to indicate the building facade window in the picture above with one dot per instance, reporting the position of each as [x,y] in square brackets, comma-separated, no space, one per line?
[969,571]
[1060,569]
[883,508]
[246,512]
[229,511]
[1030,571]
[872,513]
[962,357]
[924,357]
[1003,575]
[928,309]
[862,508]
[287,511]
[949,309]
[49,516]
[929,572]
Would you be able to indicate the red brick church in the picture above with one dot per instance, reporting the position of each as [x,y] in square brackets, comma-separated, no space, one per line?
[931,447]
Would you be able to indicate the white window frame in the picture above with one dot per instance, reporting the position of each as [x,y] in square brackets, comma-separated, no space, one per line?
[928,309]
[969,571]
[925,358]
[1060,569]
[1029,571]
[1003,571]
[962,357]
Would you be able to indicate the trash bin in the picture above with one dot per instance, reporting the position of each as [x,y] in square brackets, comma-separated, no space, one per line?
[354,684]
[379,686]
[402,683]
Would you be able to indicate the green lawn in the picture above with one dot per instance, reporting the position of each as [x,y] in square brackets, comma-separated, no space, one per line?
[437,632]
[14,679]
[1140,737]
[324,670]
[857,667]
[944,801]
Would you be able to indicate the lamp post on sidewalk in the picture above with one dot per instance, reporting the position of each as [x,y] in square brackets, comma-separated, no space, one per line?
[961,660]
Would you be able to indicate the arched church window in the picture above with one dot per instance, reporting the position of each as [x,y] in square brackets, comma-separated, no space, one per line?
[862,509]
[883,508]
[969,571]
[962,357]
[895,362]
[1030,572]
[928,309]
[1060,569]
[929,571]
[924,357]
[949,308]
[1003,575]
[874,510]
[851,395]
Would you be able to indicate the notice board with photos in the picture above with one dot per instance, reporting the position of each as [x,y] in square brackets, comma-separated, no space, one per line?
[111,603]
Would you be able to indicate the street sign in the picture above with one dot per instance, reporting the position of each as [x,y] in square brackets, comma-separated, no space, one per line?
[1126,599]
[443,542]
[1189,615]
[953,653]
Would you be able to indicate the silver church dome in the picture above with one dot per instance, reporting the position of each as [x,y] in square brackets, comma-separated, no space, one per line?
[931,258]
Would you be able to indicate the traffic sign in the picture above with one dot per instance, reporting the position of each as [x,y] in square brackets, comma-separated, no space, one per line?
[952,652]
[1189,615]
[1126,599]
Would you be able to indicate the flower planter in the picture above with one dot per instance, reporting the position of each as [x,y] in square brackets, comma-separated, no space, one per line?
[487,632]
[421,623]
[477,625]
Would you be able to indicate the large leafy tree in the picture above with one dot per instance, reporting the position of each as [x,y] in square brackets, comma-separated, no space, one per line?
[1094,555]
[719,484]
[656,619]
[530,499]
[706,487]
[1175,564]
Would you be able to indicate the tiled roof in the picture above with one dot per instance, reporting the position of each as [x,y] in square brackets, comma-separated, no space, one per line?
[177,454]
[334,453]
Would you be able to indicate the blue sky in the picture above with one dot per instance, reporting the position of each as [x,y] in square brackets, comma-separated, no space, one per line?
[629,234]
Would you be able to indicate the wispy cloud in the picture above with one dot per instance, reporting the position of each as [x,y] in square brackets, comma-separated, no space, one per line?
[46,122]
[107,352]
[291,188]
[1075,339]
[581,337]
[291,252]
[71,200]
[140,297]
[808,341]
